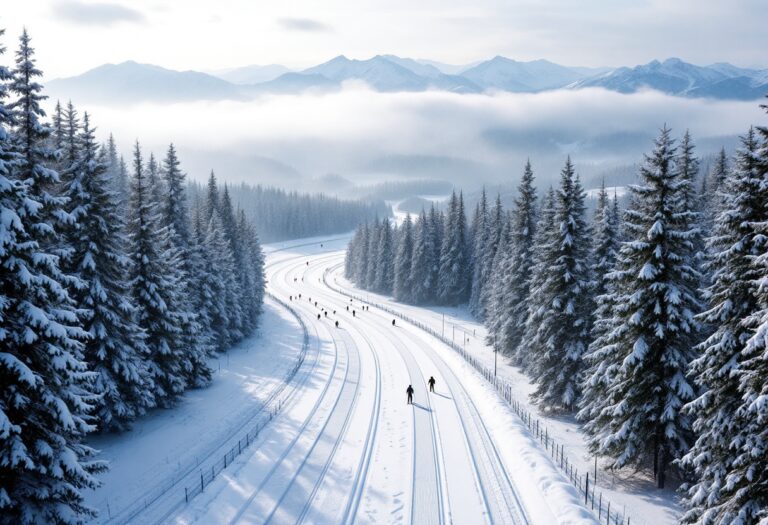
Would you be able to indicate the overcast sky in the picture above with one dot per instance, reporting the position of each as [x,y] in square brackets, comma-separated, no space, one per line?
[74,35]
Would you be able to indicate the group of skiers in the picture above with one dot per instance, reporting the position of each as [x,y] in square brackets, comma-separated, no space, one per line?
[409,391]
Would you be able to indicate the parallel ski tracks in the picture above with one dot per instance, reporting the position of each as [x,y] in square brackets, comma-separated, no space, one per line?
[500,476]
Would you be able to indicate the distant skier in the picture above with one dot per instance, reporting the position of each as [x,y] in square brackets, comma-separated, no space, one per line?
[353,313]
[337,324]
[409,392]
[393,322]
[290,298]
[318,317]
[431,384]
[326,314]
[347,308]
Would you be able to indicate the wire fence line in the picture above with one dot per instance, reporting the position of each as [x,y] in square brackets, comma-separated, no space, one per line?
[207,475]
[209,470]
[586,484]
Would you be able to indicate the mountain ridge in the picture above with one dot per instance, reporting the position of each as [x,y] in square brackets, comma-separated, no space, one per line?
[135,82]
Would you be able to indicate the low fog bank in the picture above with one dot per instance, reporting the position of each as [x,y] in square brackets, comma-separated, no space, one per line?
[362,137]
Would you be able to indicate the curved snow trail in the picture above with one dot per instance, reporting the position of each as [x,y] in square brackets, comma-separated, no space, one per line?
[359,454]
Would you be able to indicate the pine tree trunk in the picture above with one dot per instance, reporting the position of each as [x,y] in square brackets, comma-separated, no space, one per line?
[661,477]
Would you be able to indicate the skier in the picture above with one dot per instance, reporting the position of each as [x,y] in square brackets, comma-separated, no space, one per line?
[299,296]
[353,313]
[318,317]
[393,322]
[290,298]
[326,314]
[337,324]
[409,391]
[431,384]
[347,308]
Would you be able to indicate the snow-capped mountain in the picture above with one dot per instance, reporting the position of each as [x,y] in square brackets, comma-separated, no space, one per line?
[675,77]
[388,73]
[510,75]
[133,82]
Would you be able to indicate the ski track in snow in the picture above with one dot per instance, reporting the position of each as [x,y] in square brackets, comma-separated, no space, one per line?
[345,448]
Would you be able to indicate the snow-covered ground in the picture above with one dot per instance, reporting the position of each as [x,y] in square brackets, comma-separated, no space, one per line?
[345,447]
[152,462]
[632,491]
[348,449]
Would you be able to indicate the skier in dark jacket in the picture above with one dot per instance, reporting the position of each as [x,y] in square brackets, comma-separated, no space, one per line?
[409,392]
[431,384]
[393,322]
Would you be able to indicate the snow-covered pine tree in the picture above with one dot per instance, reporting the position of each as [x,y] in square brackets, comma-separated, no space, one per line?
[352,253]
[253,273]
[212,197]
[153,289]
[600,362]
[219,271]
[234,305]
[559,325]
[361,258]
[437,229]
[385,256]
[371,255]
[497,288]
[44,399]
[175,211]
[480,242]
[711,189]
[717,371]
[454,280]
[206,298]
[653,325]
[513,299]
[403,287]
[422,261]
[115,348]
[606,239]
[488,255]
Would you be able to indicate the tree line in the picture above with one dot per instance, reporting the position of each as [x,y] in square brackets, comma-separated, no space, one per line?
[115,294]
[280,214]
[649,323]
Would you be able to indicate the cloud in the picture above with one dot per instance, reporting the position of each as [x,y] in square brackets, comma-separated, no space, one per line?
[307,25]
[364,135]
[97,13]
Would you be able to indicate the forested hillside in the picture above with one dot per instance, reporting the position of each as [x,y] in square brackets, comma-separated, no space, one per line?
[649,323]
[115,293]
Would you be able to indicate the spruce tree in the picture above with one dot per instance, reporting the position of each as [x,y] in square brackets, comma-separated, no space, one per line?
[480,245]
[115,348]
[718,370]
[488,255]
[640,420]
[495,302]
[219,278]
[559,325]
[513,299]
[153,290]
[600,367]
[403,260]
[385,269]
[422,261]
[371,255]
[453,280]
[44,399]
